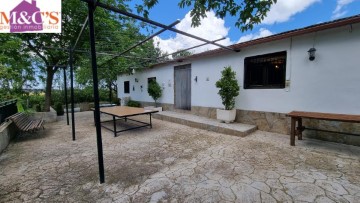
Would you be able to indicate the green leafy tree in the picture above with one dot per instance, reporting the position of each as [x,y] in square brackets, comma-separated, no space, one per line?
[154,91]
[74,13]
[181,54]
[116,39]
[229,88]
[248,13]
[16,71]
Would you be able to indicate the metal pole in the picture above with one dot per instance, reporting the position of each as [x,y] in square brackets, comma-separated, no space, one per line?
[189,48]
[117,10]
[142,42]
[91,8]
[72,94]
[66,100]
[81,31]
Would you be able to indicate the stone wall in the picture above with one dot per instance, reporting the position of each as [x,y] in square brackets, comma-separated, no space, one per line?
[7,133]
[353,128]
[280,123]
[266,121]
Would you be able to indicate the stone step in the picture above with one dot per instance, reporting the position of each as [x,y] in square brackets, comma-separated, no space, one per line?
[237,129]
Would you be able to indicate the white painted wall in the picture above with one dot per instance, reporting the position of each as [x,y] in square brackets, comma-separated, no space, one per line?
[331,83]
[164,76]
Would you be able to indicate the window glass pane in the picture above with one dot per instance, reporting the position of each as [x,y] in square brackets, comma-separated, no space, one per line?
[127,87]
[265,71]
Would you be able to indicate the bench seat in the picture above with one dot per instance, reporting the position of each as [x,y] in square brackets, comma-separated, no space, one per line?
[25,124]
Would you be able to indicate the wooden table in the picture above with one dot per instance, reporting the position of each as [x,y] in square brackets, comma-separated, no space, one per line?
[123,113]
[296,116]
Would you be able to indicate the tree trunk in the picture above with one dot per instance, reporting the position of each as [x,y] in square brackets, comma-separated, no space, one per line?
[49,81]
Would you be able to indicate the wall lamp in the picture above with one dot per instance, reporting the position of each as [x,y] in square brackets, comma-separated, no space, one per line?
[195,79]
[312,54]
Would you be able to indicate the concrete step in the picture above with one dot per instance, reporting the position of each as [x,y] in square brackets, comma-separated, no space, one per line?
[237,129]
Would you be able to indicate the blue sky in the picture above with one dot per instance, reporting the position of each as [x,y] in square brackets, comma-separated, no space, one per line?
[283,16]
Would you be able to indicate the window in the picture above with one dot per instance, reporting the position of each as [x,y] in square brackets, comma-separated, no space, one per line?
[265,71]
[151,79]
[127,87]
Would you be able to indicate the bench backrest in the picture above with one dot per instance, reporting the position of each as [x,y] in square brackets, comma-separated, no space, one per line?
[21,120]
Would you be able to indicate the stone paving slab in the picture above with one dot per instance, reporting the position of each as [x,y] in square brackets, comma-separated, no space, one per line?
[176,163]
[237,129]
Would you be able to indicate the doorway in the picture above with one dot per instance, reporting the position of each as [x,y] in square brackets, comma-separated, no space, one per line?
[182,75]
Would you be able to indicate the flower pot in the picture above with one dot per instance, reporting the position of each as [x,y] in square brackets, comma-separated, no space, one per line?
[226,115]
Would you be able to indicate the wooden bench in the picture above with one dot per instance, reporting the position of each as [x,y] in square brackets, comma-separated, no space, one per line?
[296,116]
[25,124]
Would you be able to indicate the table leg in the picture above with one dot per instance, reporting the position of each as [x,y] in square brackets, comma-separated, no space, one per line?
[300,129]
[150,121]
[292,133]
[114,119]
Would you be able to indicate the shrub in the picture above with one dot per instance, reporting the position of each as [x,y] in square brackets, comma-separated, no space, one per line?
[36,101]
[80,95]
[154,91]
[229,88]
[59,109]
[58,96]
[132,103]
[38,108]
[116,101]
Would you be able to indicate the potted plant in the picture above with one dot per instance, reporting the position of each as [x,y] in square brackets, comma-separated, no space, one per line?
[155,92]
[229,89]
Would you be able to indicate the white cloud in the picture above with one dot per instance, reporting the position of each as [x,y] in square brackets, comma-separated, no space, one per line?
[211,28]
[339,10]
[262,33]
[283,10]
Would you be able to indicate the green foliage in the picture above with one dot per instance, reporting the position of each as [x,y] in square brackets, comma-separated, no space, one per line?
[132,103]
[38,108]
[80,96]
[58,96]
[36,101]
[115,100]
[248,13]
[229,88]
[19,106]
[74,13]
[181,54]
[154,91]
[15,67]
[59,109]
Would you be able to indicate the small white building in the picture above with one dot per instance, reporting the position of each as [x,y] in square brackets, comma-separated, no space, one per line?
[275,76]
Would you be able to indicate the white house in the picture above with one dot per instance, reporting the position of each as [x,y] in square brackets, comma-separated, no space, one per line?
[275,75]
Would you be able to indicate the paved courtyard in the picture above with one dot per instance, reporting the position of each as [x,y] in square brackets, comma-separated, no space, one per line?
[175,163]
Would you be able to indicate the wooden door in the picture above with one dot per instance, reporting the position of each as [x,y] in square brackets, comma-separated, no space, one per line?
[183,87]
